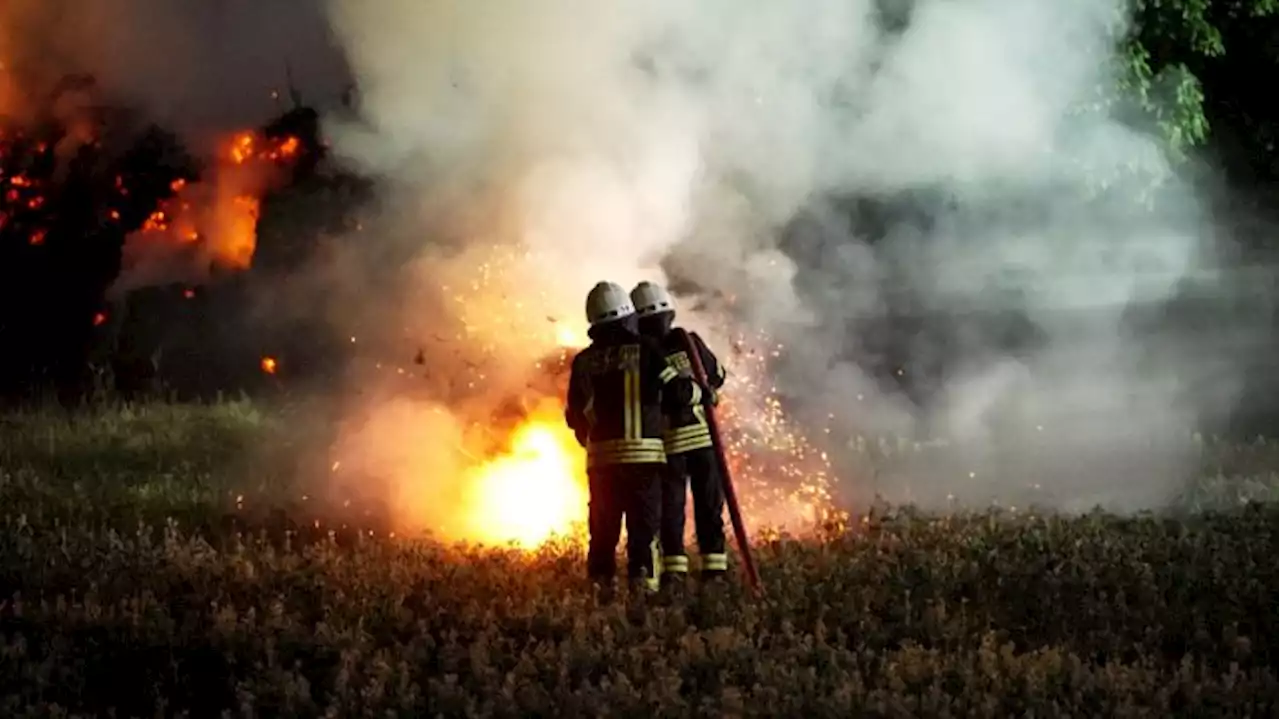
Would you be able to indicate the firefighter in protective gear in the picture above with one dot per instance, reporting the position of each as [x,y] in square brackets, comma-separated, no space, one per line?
[691,458]
[620,389]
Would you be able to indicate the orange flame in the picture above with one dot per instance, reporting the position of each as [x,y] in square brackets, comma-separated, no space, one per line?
[245,147]
[536,489]
[533,491]
[241,149]
[238,224]
[570,336]
[269,365]
[219,215]
[157,222]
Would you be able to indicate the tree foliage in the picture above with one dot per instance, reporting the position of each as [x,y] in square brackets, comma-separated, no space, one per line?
[1191,68]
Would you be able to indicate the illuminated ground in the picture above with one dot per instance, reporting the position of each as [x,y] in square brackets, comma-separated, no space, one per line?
[171,558]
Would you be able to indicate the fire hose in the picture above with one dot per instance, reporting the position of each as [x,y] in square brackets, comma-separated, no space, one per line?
[730,496]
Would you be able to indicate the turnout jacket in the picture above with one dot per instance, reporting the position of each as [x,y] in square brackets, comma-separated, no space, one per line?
[687,428]
[621,388]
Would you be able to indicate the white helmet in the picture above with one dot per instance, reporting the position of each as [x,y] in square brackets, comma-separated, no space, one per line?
[651,298]
[607,302]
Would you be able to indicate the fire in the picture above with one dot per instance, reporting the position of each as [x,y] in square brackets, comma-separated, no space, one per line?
[246,147]
[462,475]
[241,150]
[571,336]
[158,221]
[269,365]
[239,233]
[530,493]
[219,214]
[533,486]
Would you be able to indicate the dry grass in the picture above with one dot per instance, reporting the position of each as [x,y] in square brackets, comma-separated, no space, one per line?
[123,587]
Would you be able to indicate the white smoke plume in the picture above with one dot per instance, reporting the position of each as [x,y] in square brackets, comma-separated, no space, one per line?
[712,140]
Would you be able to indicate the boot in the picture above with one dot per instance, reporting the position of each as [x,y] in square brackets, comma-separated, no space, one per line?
[639,598]
[605,591]
[713,585]
[673,585]
[643,587]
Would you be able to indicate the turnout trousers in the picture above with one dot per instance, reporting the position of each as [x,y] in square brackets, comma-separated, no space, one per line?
[618,492]
[698,472]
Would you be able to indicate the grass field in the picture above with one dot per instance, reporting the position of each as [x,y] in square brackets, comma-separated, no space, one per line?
[154,562]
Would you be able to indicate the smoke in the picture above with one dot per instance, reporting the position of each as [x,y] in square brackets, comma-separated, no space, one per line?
[200,68]
[829,173]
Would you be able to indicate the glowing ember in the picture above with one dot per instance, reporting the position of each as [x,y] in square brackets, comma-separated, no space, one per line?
[269,365]
[157,222]
[241,149]
[99,318]
[287,148]
[246,147]
[780,474]
[534,491]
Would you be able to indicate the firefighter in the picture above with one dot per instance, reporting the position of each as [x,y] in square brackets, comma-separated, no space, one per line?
[691,458]
[620,389]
